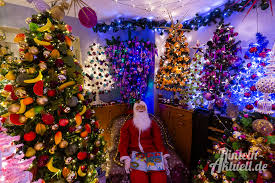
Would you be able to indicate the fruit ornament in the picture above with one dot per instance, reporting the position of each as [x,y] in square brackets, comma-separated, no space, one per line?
[47,107]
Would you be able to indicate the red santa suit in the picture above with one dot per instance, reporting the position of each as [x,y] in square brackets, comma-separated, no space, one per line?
[149,140]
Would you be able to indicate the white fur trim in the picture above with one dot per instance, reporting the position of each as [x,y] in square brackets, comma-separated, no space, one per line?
[139,144]
[166,156]
[124,158]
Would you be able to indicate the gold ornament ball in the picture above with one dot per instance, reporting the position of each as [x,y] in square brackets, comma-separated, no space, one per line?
[92,156]
[48,37]
[97,143]
[9,59]
[55,127]
[18,61]
[39,146]
[42,66]
[262,126]
[42,100]
[267,175]
[33,50]
[28,20]
[52,150]
[3,50]
[22,119]
[31,70]
[237,126]
[46,54]
[23,44]
[20,92]
[14,108]
[2,34]
[68,160]
[63,144]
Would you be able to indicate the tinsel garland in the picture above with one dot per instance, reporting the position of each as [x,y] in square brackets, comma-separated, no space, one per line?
[205,19]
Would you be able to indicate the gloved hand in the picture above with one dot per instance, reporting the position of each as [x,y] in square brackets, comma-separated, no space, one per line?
[127,163]
[166,166]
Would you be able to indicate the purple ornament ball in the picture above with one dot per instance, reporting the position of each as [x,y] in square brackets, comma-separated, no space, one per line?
[208,96]
[219,102]
[87,17]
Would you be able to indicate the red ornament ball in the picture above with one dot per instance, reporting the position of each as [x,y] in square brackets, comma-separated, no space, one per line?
[51,93]
[253,49]
[38,88]
[83,168]
[48,119]
[249,107]
[29,136]
[8,88]
[63,122]
[87,17]
[82,155]
[42,160]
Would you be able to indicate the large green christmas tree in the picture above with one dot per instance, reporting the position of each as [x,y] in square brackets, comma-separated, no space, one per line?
[47,106]
[6,57]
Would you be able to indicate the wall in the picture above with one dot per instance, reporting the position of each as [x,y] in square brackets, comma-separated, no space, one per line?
[14,16]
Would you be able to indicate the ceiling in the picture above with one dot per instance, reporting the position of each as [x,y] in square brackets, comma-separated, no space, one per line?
[152,9]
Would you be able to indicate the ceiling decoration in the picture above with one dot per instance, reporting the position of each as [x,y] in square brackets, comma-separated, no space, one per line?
[203,19]
[151,9]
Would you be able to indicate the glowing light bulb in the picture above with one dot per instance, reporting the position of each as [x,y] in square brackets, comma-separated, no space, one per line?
[4,164]
[2,178]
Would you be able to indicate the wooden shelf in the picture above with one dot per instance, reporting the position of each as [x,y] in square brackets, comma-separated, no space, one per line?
[179,124]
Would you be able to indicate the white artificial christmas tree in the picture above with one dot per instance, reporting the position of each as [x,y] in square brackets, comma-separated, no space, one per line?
[13,168]
[97,72]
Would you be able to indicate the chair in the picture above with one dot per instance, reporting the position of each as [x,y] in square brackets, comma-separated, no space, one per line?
[116,173]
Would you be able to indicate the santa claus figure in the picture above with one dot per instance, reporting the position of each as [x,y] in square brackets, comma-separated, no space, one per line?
[141,148]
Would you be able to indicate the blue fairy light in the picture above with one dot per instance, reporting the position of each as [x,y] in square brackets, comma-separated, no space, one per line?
[244,92]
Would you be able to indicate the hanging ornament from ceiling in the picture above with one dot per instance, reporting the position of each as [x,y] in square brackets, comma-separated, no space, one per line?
[39,5]
[86,15]
[58,10]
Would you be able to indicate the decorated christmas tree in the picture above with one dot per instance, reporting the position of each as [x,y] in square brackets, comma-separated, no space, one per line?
[244,153]
[97,72]
[244,91]
[191,94]
[131,62]
[6,58]
[47,107]
[174,64]
[221,66]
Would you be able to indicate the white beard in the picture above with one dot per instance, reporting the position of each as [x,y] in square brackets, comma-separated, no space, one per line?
[141,120]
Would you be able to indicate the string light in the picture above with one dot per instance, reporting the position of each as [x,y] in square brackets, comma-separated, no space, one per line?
[200,20]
